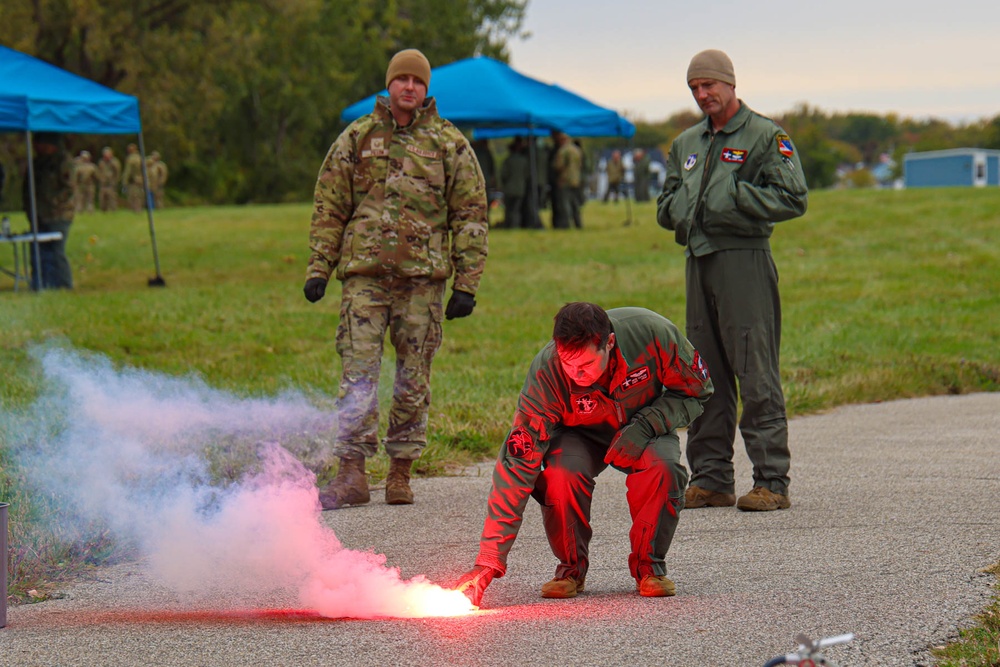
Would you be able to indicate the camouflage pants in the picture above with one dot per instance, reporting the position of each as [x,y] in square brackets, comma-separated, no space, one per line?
[410,310]
[85,199]
[136,197]
[109,198]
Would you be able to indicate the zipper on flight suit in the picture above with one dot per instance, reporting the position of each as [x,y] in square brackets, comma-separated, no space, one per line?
[696,222]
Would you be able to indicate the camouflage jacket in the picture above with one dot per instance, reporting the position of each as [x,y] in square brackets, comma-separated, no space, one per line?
[389,199]
[655,373]
[109,171]
[568,165]
[133,170]
[53,187]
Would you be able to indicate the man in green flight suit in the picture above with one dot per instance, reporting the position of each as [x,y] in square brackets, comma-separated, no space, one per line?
[729,179]
[611,388]
[400,206]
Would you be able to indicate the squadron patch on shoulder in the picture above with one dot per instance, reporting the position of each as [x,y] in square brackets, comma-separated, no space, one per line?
[737,155]
[519,443]
[785,145]
[699,366]
[690,162]
[635,377]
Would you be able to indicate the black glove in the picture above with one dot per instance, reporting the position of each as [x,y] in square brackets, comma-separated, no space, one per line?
[315,289]
[629,443]
[459,305]
[474,582]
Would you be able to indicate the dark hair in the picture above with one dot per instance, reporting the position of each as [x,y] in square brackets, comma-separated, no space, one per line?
[580,324]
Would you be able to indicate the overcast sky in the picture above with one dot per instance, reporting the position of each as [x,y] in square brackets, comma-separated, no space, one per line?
[917,59]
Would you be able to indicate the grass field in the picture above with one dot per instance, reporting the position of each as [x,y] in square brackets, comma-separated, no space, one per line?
[886,295]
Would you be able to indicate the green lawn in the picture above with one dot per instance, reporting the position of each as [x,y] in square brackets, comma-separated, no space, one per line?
[886,294]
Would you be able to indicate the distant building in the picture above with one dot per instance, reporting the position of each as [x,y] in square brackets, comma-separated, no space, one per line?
[977,167]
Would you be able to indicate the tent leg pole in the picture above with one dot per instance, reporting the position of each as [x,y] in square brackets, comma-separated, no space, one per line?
[36,277]
[158,281]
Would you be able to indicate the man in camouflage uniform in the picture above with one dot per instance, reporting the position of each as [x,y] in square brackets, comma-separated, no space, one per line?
[515,181]
[400,205]
[109,170]
[616,174]
[156,171]
[610,388]
[132,179]
[567,166]
[85,183]
[53,176]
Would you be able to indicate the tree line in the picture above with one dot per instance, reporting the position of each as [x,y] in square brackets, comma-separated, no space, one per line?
[243,97]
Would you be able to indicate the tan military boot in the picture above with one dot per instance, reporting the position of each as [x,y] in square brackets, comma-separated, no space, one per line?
[696,497]
[763,500]
[397,484]
[655,586]
[567,587]
[349,487]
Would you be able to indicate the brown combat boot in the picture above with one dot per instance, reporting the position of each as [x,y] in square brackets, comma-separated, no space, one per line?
[696,497]
[349,487]
[567,587]
[763,500]
[397,484]
[655,586]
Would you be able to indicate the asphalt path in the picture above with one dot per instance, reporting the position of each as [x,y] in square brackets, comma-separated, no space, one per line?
[895,512]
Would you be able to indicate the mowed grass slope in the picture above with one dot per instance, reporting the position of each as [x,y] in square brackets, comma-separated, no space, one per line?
[886,294]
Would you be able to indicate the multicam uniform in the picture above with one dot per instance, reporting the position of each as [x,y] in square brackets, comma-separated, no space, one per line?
[85,183]
[132,181]
[722,195]
[108,173]
[397,211]
[568,166]
[561,433]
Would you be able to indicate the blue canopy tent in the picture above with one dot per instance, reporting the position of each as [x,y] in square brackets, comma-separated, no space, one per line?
[38,97]
[494,100]
[481,92]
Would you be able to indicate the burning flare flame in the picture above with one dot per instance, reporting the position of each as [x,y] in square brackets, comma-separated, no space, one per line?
[424,599]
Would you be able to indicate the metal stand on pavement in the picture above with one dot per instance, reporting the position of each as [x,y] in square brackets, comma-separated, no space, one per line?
[3,564]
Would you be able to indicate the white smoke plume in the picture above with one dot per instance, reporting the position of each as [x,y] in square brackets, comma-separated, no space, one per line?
[200,482]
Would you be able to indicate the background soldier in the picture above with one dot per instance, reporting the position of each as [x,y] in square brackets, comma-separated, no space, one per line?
[400,205]
[567,166]
[515,180]
[109,171]
[616,174]
[53,169]
[132,179]
[156,171]
[640,168]
[85,183]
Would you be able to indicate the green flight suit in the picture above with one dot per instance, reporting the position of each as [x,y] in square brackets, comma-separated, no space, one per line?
[723,193]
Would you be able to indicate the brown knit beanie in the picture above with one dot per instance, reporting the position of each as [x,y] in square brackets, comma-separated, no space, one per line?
[712,64]
[409,61]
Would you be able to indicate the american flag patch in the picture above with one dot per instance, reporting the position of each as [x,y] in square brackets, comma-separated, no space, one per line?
[736,155]
[785,145]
